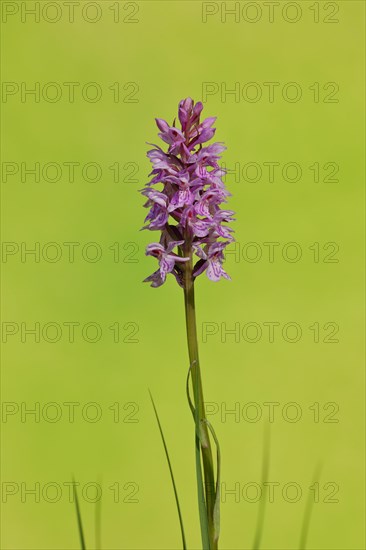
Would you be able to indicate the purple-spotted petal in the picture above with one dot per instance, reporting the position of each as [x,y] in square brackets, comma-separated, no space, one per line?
[155,279]
[154,249]
[166,265]
[180,199]
[214,270]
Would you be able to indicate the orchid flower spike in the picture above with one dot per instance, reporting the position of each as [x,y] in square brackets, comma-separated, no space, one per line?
[186,210]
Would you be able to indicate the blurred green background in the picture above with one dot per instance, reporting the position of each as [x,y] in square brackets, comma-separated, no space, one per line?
[158,53]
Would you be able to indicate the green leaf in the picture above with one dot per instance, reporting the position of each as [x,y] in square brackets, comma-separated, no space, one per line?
[171,473]
[78,515]
[200,485]
[216,510]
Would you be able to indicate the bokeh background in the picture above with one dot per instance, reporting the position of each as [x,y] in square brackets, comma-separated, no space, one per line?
[159,52]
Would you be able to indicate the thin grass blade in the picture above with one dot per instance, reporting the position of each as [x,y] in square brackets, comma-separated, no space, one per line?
[98,521]
[78,515]
[262,503]
[308,511]
[171,473]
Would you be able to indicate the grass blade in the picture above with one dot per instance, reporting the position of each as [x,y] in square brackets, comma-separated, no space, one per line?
[171,473]
[262,504]
[200,485]
[308,511]
[78,515]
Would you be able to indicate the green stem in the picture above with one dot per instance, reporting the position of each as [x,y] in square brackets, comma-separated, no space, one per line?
[207,460]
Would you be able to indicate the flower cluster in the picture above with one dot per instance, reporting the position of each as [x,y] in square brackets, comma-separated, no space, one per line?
[187,209]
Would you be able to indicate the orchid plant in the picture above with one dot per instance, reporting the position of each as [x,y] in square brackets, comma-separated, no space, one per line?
[186,211]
